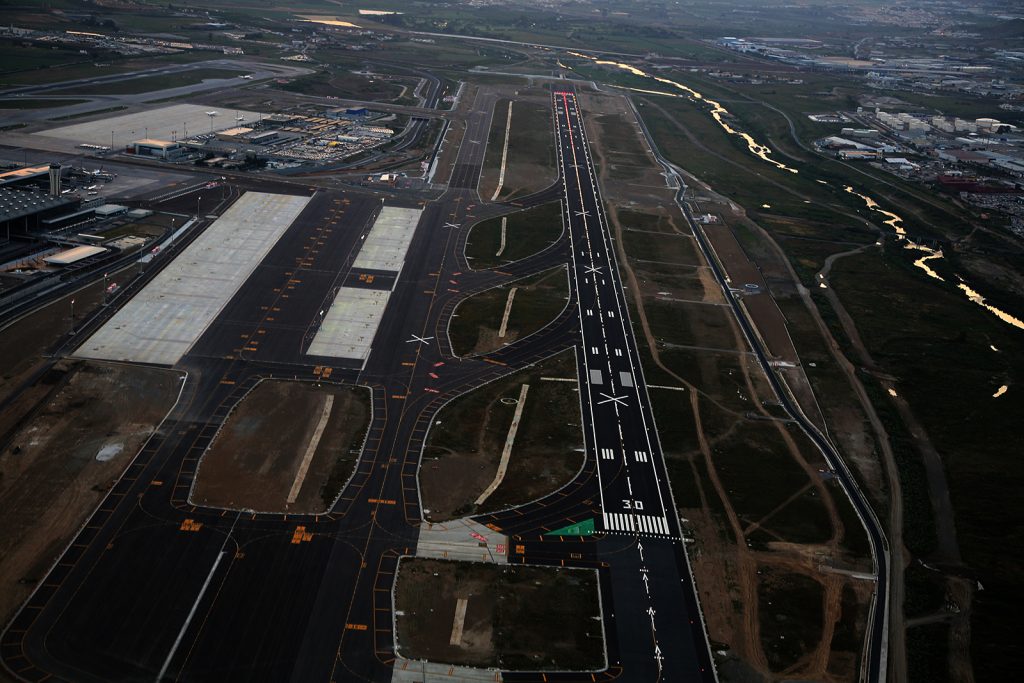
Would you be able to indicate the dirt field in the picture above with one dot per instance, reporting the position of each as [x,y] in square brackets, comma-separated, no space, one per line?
[56,465]
[23,342]
[459,463]
[516,617]
[258,457]
[767,317]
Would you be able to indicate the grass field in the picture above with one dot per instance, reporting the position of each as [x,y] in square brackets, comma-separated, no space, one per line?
[131,86]
[942,341]
[18,57]
[923,332]
[347,85]
[526,233]
[530,165]
[89,69]
[476,324]
[459,462]
[36,104]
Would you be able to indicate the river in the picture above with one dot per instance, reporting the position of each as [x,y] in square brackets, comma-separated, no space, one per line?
[763,152]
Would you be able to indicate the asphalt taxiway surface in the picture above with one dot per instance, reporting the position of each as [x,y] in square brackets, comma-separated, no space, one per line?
[156,589]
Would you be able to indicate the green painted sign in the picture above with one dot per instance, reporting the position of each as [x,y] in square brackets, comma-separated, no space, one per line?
[584,528]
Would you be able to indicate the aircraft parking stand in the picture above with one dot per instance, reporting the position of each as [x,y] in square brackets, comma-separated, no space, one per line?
[348,328]
[165,319]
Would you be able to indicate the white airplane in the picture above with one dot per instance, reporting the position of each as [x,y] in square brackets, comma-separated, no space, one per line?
[211,113]
[247,77]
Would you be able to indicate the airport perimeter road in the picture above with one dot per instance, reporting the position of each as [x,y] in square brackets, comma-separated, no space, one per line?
[656,618]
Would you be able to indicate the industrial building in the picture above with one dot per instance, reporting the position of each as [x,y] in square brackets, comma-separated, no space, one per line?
[162,149]
[23,210]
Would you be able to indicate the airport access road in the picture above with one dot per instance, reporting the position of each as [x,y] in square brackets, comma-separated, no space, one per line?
[658,625]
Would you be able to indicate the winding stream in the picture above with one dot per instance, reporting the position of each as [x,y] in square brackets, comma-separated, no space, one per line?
[763,152]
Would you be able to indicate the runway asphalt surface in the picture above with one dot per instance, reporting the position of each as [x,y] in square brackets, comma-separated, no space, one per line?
[155,589]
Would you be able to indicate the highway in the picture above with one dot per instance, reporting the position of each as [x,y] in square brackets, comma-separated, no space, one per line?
[657,619]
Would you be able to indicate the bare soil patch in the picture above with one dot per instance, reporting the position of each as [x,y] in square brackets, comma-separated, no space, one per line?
[767,317]
[56,464]
[255,460]
[464,446]
[517,617]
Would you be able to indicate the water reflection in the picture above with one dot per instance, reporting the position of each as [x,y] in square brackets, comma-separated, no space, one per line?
[893,220]
[718,112]
[977,298]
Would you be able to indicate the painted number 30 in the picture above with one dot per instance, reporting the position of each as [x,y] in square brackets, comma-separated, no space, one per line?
[632,504]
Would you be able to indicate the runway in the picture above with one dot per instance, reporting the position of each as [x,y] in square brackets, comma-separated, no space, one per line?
[658,629]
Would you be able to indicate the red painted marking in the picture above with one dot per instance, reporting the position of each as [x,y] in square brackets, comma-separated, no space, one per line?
[438,363]
[478,536]
[431,390]
[433,375]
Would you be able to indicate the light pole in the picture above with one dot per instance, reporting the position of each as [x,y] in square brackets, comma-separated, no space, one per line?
[72,316]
